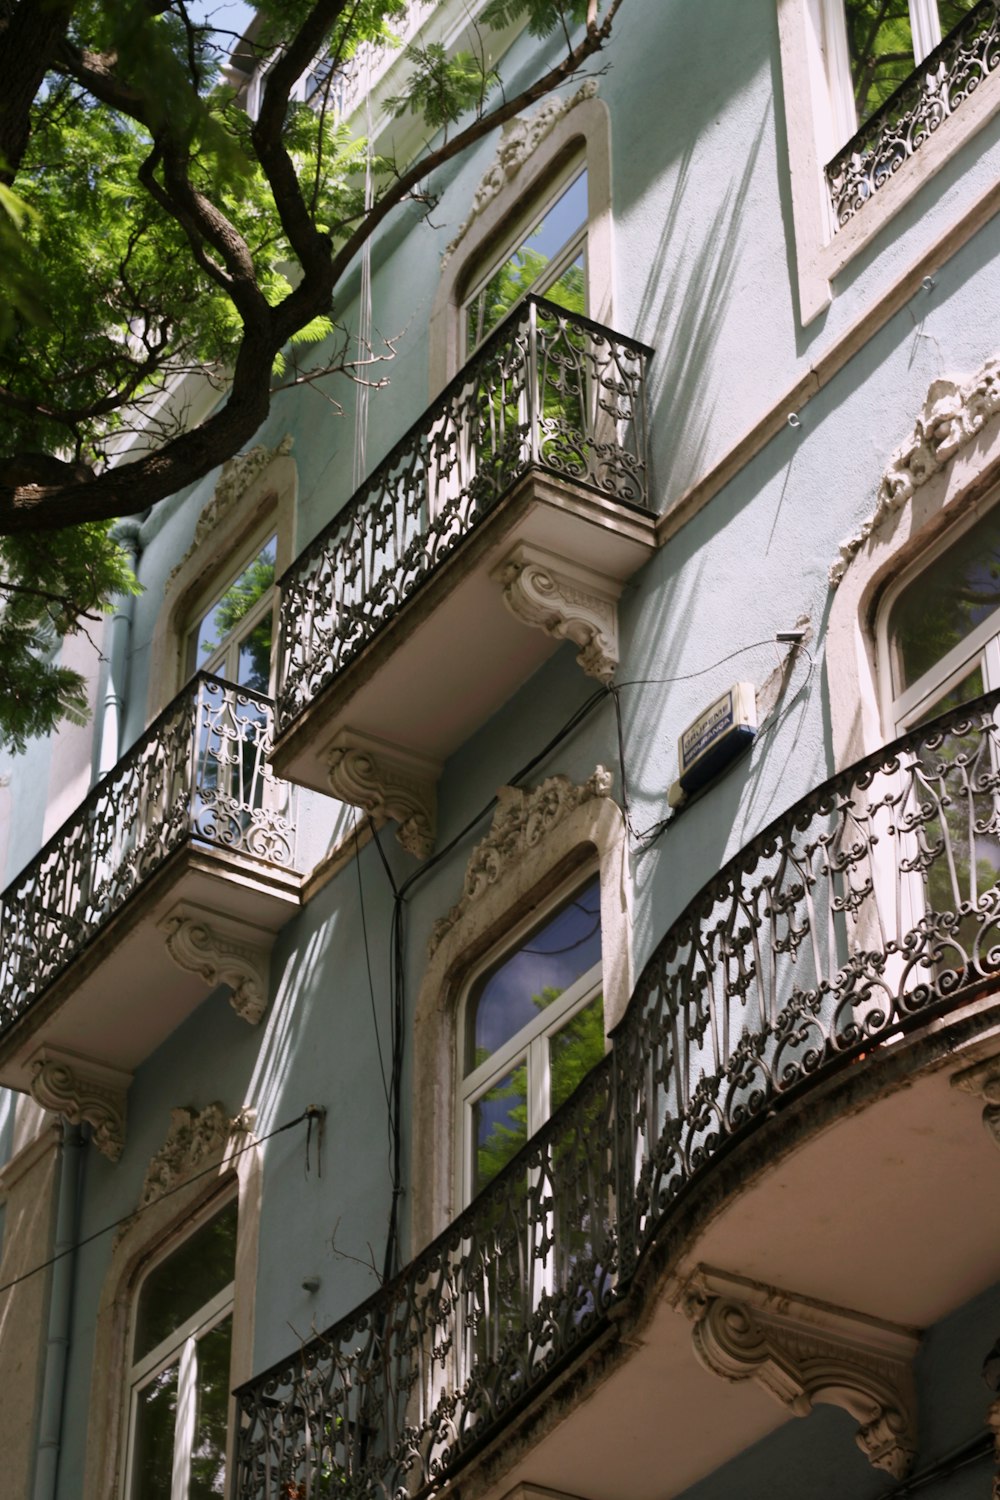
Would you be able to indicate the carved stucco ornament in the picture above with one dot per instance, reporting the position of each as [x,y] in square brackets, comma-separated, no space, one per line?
[802,1351]
[238,474]
[522,819]
[387,783]
[194,1138]
[83,1091]
[568,601]
[983,1080]
[199,945]
[953,414]
[519,138]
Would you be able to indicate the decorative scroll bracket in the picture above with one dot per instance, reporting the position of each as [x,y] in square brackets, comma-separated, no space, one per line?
[803,1351]
[568,601]
[983,1079]
[83,1091]
[218,949]
[388,783]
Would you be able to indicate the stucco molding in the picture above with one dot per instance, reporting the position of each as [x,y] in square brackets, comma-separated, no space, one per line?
[802,1351]
[387,782]
[237,475]
[519,139]
[83,1091]
[567,601]
[953,414]
[198,944]
[523,818]
[194,1138]
[983,1081]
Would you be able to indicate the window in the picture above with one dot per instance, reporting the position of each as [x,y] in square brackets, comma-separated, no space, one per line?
[232,637]
[547,255]
[533,1027]
[941,627]
[180,1377]
[842,62]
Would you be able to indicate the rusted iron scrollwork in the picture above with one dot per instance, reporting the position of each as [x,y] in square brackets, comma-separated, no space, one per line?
[550,391]
[940,85]
[200,774]
[865,907]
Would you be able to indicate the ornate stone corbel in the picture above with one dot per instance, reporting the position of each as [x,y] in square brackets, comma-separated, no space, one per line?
[387,783]
[803,1351]
[202,944]
[568,601]
[82,1090]
[983,1080]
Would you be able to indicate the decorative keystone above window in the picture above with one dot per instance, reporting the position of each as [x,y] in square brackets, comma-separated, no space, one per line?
[801,1351]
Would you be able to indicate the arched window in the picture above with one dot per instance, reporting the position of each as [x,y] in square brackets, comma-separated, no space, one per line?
[532,1028]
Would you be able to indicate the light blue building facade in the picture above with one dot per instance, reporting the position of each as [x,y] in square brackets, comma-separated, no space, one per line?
[387,1034]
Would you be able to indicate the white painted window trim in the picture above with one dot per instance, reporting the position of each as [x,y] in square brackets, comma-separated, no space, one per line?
[518,185]
[559,859]
[235,522]
[910,535]
[153,1233]
[813,63]
[179,1346]
[529,1043]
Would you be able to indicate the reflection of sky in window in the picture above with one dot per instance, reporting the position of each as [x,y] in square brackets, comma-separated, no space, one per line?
[213,629]
[567,946]
[948,600]
[564,218]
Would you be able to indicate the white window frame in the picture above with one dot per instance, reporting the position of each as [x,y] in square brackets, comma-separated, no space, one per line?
[818,113]
[180,1346]
[530,1043]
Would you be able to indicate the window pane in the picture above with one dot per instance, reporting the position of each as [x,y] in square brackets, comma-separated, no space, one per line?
[233,605]
[947,601]
[535,975]
[569,288]
[153,1442]
[880,44]
[208,1456]
[574,1050]
[525,267]
[970,687]
[254,669]
[953,12]
[500,1125]
[186,1280]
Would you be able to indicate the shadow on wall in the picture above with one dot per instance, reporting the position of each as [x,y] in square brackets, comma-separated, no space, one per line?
[682,311]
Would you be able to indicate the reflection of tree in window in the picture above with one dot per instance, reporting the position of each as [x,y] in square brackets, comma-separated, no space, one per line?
[219,644]
[550,259]
[538,1018]
[180,1368]
[880,42]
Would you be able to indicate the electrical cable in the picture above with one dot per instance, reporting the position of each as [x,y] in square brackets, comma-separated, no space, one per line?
[311,1113]
[368,957]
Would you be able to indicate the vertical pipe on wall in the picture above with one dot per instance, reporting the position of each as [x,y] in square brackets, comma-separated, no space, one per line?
[120,630]
[50,1420]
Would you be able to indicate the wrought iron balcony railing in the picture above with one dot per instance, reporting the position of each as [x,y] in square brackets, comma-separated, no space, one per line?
[936,89]
[851,919]
[199,774]
[549,391]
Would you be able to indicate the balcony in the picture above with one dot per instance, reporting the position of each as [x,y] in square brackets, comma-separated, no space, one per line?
[777,1060]
[518,500]
[947,78]
[170,878]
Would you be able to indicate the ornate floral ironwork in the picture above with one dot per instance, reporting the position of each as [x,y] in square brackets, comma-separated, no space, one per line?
[198,774]
[850,919]
[936,89]
[549,390]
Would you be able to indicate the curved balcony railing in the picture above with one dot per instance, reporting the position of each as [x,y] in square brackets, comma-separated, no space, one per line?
[549,391]
[947,77]
[199,773]
[865,907]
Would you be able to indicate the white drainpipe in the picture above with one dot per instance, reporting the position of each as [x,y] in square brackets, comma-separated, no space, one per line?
[120,630]
[60,1315]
